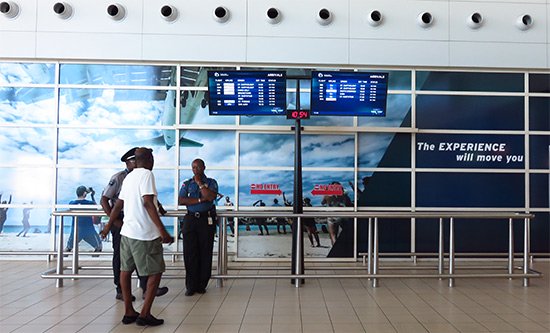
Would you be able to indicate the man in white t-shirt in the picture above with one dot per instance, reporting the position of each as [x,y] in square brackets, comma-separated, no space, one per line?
[142,236]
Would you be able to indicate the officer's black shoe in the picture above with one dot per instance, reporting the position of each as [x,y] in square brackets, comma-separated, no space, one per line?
[189,293]
[201,291]
[160,291]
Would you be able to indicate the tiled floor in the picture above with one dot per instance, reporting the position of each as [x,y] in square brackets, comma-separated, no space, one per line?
[31,304]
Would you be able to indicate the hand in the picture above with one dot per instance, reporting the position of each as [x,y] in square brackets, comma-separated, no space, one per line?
[166,238]
[103,233]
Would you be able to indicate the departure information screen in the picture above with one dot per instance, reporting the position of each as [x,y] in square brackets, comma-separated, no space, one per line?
[349,94]
[247,93]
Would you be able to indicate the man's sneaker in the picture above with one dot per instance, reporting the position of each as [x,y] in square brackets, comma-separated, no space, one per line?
[119,297]
[149,321]
[160,291]
[96,255]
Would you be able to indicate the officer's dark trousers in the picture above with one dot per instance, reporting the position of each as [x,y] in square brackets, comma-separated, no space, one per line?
[198,242]
[115,235]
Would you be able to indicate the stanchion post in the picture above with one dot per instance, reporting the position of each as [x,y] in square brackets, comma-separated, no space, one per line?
[75,246]
[451,251]
[369,250]
[440,257]
[221,250]
[526,241]
[59,268]
[510,247]
[375,253]
[299,269]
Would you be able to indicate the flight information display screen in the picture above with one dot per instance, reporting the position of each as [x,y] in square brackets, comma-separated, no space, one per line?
[249,93]
[349,94]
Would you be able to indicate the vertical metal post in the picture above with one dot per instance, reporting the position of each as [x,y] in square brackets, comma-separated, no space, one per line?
[299,253]
[451,251]
[75,245]
[222,239]
[510,247]
[369,250]
[59,267]
[526,241]
[440,257]
[375,253]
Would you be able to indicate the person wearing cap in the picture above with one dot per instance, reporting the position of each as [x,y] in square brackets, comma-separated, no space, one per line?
[86,229]
[199,227]
[108,200]
[142,236]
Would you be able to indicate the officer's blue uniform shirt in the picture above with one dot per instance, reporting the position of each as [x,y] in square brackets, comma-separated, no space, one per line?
[190,189]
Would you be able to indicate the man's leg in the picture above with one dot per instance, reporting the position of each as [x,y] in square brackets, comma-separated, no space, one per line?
[126,286]
[191,260]
[115,235]
[153,282]
[206,245]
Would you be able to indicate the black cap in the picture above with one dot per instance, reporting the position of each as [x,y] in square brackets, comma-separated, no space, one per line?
[81,190]
[129,155]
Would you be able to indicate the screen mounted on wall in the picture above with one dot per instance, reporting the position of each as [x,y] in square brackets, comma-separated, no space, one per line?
[251,93]
[349,94]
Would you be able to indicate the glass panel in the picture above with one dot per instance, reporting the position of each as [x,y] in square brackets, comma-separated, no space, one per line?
[539,113]
[540,233]
[124,75]
[25,73]
[27,185]
[539,83]
[284,180]
[470,151]
[69,179]
[384,150]
[194,110]
[384,189]
[217,148]
[470,190]
[470,112]
[27,229]
[328,150]
[84,106]
[463,81]
[224,178]
[27,106]
[32,146]
[312,178]
[106,146]
[266,150]
[398,80]
[397,114]
[539,190]
[538,151]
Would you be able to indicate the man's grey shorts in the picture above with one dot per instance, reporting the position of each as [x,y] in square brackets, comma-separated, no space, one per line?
[145,256]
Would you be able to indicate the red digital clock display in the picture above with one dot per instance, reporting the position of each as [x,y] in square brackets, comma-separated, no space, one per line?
[294,114]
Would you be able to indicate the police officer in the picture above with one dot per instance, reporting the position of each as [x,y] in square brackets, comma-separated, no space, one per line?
[198,229]
[108,199]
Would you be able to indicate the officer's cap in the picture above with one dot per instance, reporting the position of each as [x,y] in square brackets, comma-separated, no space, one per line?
[129,155]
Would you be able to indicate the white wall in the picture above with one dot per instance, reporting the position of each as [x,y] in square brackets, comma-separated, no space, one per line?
[297,37]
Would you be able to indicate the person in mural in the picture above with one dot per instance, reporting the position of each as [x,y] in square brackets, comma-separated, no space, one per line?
[3,212]
[310,226]
[334,223]
[142,236]
[230,222]
[364,181]
[86,229]
[108,199]
[198,194]
[25,221]
[261,221]
[281,222]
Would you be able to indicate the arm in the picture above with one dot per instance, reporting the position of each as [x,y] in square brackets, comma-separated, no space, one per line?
[115,213]
[104,202]
[149,204]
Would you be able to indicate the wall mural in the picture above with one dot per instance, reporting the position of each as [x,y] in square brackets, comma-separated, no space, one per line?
[52,146]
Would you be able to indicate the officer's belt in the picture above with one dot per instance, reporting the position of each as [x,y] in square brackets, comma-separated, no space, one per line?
[198,215]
